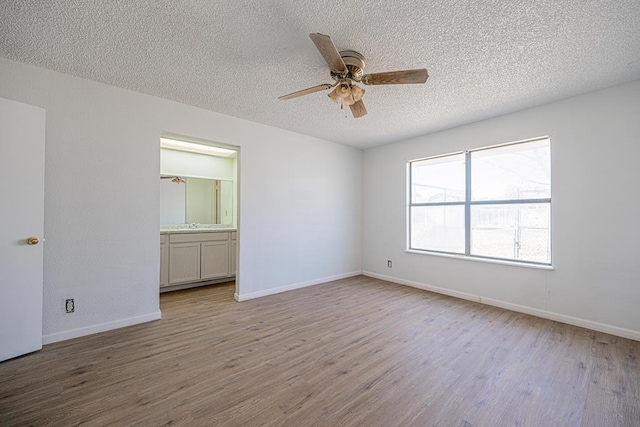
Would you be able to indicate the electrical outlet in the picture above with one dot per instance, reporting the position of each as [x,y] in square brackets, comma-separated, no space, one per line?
[69,305]
[389,263]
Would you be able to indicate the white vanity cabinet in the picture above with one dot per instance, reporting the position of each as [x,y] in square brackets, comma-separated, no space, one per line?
[214,259]
[196,257]
[233,253]
[164,260]
[184,262]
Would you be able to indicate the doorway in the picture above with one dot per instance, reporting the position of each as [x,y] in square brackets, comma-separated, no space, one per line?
[199,208]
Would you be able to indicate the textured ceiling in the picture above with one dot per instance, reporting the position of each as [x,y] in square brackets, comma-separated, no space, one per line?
[484,58]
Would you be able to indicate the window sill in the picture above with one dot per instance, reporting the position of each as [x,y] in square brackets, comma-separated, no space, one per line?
[486,260]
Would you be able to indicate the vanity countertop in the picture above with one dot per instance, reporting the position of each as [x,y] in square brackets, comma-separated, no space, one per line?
[196,230]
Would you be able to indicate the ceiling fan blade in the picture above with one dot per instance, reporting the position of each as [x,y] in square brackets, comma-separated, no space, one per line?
[396,77]
[306,91]
[329,52]
[358,109]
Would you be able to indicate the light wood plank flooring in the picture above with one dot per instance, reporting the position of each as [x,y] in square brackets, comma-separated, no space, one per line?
[355,352]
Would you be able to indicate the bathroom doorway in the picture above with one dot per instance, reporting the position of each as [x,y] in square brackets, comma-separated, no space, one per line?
[198,213]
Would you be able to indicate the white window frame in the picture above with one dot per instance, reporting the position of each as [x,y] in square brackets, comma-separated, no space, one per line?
[467,203]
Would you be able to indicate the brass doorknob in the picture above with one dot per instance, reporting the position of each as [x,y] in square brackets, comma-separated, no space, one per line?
[32,240]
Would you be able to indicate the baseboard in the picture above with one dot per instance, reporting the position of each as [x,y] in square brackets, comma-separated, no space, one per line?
[101,327]
[450,292]
[562,318]
[171,288]
[271,291]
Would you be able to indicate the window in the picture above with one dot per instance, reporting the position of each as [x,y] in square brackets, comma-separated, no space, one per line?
[492,202]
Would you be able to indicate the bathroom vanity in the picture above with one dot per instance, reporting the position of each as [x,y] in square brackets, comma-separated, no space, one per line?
[196,257]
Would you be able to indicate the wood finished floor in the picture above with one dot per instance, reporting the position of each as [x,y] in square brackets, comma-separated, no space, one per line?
[355,352]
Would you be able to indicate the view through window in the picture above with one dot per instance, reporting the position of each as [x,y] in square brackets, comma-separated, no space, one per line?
[492,202]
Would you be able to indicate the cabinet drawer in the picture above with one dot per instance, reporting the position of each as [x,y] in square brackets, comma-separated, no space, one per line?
[234,235]
[163,239]
[198,237]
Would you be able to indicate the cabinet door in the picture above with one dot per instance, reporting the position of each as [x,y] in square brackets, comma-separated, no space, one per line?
[234,251]
[215,260]
[164,265]
[184,263]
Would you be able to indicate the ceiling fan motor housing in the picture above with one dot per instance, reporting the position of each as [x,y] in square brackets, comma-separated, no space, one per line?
[354,62]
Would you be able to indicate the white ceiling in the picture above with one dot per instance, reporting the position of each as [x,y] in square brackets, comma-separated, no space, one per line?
[485,58]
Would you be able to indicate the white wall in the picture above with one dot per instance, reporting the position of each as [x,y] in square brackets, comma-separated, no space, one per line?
[183,163]
[595,213]
[300,199]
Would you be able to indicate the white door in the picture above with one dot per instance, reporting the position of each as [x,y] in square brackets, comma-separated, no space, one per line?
[21,217]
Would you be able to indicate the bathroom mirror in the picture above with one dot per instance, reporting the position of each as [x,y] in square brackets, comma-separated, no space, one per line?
[186,200]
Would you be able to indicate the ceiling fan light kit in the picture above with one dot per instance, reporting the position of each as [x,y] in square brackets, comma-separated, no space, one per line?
[347,68]
[346,95]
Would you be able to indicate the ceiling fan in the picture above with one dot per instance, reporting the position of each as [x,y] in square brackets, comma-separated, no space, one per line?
[347,69]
